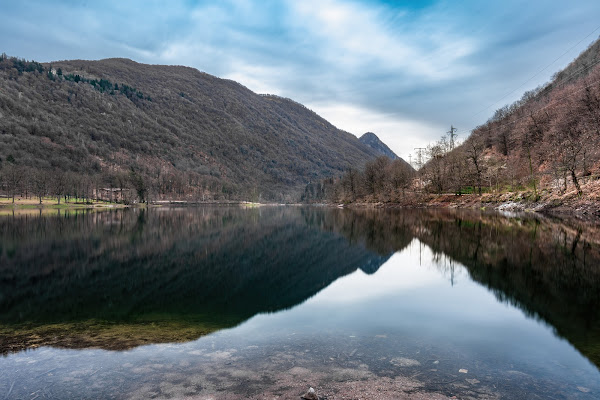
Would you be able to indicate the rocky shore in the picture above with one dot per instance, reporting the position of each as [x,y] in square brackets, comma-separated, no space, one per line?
[567,204]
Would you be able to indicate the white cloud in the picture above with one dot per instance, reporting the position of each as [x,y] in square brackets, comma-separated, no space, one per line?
[401,134]
[256,78]
[352,36]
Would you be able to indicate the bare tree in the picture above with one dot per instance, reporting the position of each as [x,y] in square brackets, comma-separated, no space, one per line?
[13,176]
[58,184]
[435,172]
[351,183]
[400,175]
[569,137]
[374,179]
[532,133]
[40,184]
[474,152]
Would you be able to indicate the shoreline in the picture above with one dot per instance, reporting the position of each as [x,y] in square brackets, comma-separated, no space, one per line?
[581,208]
[51,203]
[546,201]
[570,205]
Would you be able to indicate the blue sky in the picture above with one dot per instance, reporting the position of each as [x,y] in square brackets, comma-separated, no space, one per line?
[405,70]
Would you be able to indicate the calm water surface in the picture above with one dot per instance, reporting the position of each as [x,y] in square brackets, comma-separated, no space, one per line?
[263,303]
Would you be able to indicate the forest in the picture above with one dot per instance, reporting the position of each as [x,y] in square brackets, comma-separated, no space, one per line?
[88,128]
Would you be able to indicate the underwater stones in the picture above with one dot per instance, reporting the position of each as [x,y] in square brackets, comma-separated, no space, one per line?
[310,395]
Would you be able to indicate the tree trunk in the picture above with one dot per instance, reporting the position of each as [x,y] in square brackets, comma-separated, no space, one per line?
[531,174]
[576,182]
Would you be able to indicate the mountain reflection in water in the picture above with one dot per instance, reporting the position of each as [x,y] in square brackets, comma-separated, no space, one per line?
[120,279]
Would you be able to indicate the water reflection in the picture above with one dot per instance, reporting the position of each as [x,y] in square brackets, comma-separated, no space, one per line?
[120,279]
[116,280]
[548,268]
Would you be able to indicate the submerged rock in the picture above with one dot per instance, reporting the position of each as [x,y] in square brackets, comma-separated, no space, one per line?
[310,395]
[404,362]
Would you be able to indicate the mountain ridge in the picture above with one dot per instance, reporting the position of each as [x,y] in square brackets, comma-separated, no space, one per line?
[181,132]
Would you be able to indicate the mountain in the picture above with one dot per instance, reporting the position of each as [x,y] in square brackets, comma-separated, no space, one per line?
[172,131]
[371,140]
[547,144]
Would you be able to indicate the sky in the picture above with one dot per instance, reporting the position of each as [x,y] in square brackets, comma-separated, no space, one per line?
[405,70]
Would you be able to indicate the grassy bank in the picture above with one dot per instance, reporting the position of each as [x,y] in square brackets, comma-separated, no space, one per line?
[27,205]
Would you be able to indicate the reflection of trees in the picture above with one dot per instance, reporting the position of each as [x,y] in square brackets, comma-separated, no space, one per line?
[217,267]
[383,231]
[549,269]
[214,267]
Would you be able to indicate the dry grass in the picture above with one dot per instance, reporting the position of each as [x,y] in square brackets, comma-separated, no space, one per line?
[30,205]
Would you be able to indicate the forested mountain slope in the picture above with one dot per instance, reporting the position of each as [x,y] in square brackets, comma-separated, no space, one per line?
[371,140]
[174,131]
[546,143]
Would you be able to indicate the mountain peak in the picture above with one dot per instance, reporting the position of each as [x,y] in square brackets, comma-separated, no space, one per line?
[371,140]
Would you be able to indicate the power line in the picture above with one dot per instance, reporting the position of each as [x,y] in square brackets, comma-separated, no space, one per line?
[537,73]
[556,84]
[548,105]
[575,73]
[453,134]
[420,156]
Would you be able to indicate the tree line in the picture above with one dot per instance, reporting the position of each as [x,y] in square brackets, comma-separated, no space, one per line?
[111,185]
[381,180]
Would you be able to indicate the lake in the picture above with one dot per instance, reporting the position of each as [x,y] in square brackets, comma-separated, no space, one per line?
[263,303]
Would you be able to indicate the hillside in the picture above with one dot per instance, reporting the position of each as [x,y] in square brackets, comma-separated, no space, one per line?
[541,152]
[371,140]
[547,143]
[167,131]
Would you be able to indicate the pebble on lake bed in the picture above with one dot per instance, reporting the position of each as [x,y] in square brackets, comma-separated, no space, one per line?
[310,395]
[404,362]
[463,371]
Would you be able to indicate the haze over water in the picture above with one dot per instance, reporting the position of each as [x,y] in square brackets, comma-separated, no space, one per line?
[228,302]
